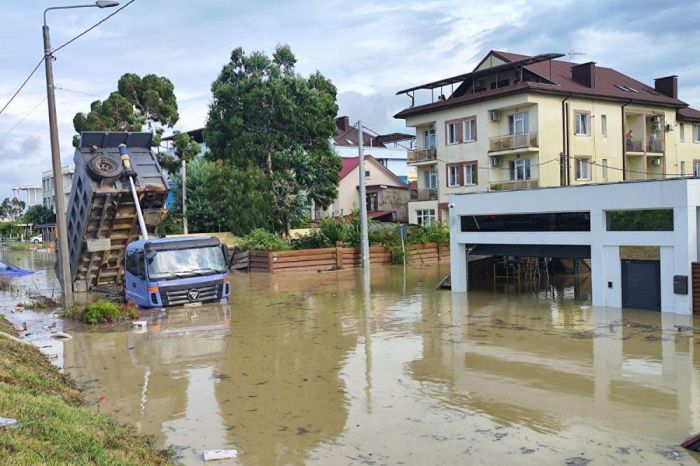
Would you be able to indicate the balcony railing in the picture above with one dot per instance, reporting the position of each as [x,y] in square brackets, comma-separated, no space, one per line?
[513,141]
[639,145]
[510,185]
[422,155]
[428,194]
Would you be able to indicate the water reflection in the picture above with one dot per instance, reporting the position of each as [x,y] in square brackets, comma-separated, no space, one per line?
[341,368]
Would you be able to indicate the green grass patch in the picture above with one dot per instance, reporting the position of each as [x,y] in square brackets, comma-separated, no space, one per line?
[55,425]
[18,246]
[102,312]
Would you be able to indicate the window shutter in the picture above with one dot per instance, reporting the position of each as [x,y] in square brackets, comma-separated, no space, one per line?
[460,130]
[460,174]
[526,122]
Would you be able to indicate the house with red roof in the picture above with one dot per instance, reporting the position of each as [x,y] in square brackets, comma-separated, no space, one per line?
[387,195]
[522,122]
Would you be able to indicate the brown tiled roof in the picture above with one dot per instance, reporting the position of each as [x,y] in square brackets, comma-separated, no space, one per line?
[688,114]
[559,73]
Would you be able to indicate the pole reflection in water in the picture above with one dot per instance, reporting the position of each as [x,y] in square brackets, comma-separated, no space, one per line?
[341,367]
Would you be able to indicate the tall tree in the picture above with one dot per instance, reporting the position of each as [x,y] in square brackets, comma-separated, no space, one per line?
[12,209]
[184,150]
[149,101]
[39,215]
[264,119]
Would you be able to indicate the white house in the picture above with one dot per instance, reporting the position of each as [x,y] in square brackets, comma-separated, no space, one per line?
[604,222]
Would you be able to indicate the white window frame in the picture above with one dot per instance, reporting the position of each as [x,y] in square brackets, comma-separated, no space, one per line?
[696,132]
[583,169]
[425,217]
[681,132]
[430,179]
[452,133]
[521,170]
[518,119]
[429,140]
[470,175]
[604,125]
[582,122]
[453,172]
[470,135]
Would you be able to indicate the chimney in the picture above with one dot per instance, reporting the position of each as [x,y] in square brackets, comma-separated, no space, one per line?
[584,74]
[667,86]
[343,123]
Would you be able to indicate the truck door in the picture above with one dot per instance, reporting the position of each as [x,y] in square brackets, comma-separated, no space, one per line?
[135,278]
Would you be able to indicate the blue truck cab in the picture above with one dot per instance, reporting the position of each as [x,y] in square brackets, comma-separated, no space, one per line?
[164,272]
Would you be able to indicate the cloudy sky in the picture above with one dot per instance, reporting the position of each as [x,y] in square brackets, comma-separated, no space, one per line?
[368,49]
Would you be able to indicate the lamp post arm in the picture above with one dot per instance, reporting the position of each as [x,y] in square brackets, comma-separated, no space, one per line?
[69,7]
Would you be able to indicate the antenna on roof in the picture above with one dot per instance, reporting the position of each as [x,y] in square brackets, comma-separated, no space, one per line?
[572,53]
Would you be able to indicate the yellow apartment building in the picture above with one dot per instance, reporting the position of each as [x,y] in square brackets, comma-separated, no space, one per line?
[520,122]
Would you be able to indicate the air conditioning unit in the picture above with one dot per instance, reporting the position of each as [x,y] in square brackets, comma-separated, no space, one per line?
[495,161]
[655,162]
[495,115]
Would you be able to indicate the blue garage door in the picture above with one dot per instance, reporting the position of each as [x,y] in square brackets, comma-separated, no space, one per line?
[641,284]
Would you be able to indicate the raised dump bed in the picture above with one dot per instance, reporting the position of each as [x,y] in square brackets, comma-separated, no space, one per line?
[101,213]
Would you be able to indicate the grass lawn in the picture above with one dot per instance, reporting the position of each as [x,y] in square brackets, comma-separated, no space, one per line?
[56,427]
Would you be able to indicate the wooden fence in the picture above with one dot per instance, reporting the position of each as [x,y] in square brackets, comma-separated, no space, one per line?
[337,258]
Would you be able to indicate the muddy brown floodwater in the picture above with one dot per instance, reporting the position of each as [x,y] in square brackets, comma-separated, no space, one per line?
[333,368]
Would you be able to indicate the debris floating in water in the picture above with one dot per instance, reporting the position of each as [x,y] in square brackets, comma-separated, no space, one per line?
[211,455]
[61,336]
[8,422]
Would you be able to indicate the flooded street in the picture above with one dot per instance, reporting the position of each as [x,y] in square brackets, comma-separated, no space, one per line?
[334,368]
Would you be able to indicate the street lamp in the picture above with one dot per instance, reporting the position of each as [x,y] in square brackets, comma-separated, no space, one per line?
[61,231]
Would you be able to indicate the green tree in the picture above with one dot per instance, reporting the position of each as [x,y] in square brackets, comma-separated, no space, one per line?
[272,124]
[39,215]
[184,149]
[149,101]
[11,209]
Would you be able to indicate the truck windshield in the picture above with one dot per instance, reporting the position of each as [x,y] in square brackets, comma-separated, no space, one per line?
[186,262]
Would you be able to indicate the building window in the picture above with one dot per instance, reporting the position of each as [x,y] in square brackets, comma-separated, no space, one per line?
[470,130]
[429,138]
[696,132]
[604,125]
[681,131]
[518,123]
[520,169]
[560,221]
[430,178]
[696,168]
[372,202]
[583,168]
[604,169]
[452,136]
[582,123]
[682,168]
[453,175]
[470,173]
[366,173]
[640,220]
[425,217]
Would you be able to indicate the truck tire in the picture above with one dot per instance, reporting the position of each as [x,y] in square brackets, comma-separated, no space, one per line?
[102,167]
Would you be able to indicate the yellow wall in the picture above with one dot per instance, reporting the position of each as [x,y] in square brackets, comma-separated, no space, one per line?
[545,117]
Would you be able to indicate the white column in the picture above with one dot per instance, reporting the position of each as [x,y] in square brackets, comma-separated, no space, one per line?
[598,276]
[458,255]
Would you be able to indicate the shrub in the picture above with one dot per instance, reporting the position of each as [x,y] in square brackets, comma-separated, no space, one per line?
[102,312]
[262,240]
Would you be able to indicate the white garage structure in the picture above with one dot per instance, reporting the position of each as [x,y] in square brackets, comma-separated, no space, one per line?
[576,222]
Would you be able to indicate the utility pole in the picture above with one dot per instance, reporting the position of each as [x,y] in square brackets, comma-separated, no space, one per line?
[61,232]
[364,235]
[184,197]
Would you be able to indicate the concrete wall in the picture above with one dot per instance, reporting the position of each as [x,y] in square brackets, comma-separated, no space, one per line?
[394,200]
[678,248]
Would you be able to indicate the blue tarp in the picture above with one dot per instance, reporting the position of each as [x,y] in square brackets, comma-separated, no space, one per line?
[7,268]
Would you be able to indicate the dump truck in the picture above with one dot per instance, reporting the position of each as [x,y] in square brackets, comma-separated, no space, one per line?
[117,200]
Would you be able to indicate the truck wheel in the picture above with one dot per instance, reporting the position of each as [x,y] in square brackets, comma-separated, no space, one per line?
[102,167]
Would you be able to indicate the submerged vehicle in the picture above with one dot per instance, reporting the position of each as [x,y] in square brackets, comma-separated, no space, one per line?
[174,271]
[7,268]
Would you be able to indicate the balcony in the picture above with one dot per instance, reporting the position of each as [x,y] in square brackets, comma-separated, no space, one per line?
[511,185]
[640,146]
[427,194]
[428,154]
[513,141]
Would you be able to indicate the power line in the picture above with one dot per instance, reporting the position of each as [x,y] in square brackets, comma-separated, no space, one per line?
[75,92]
[23,118]
[92,27]
[24,83]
